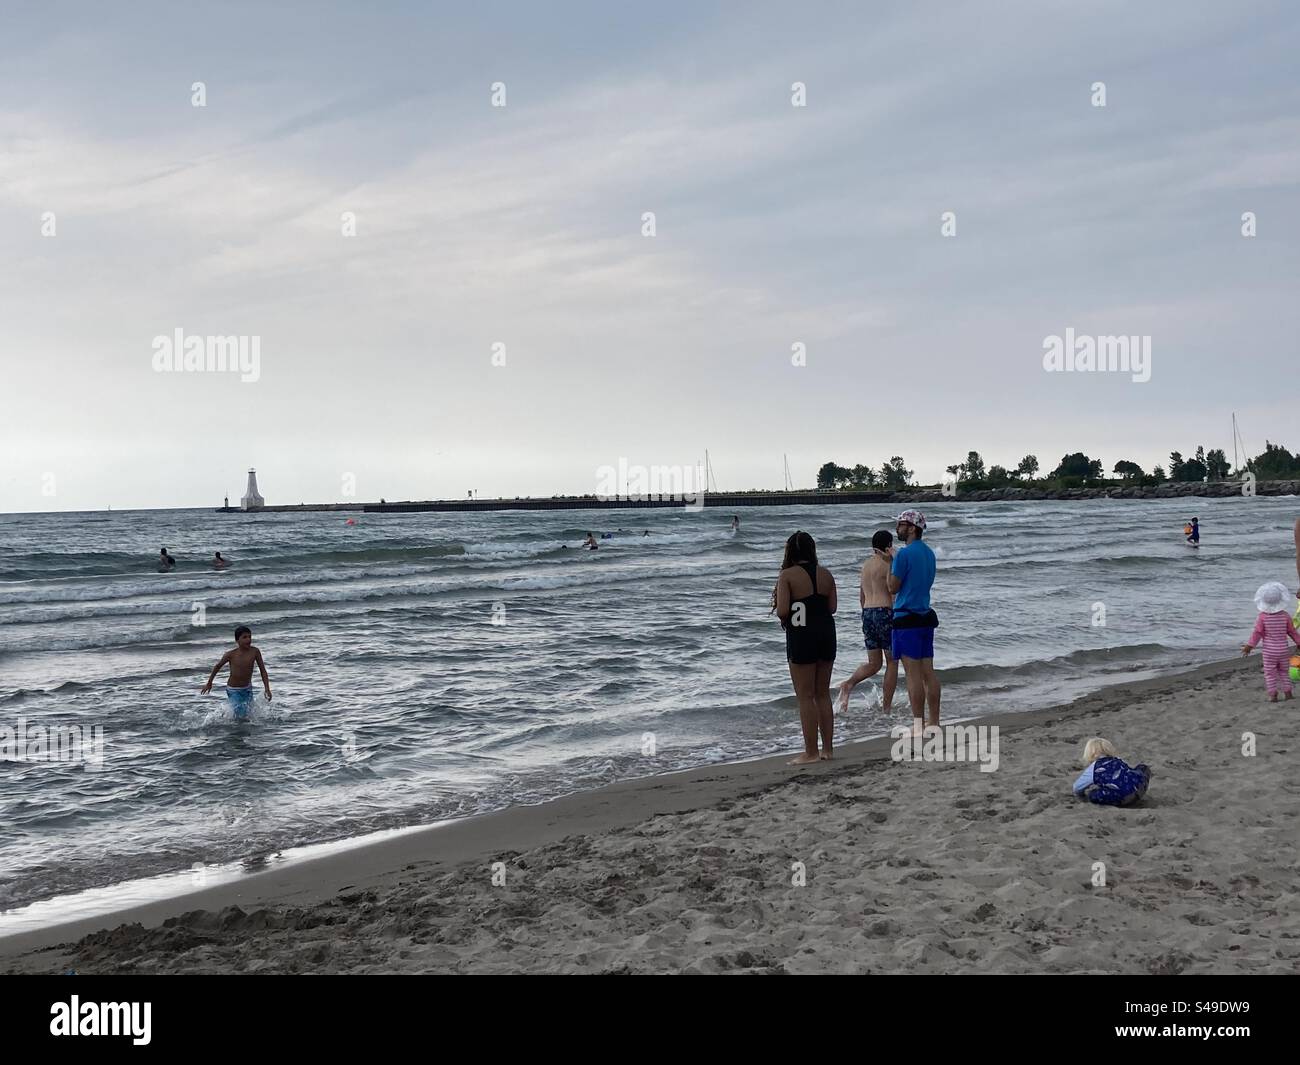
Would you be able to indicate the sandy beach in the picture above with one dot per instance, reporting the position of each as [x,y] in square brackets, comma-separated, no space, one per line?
[909,868]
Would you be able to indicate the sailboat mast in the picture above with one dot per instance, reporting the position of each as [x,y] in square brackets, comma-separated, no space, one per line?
[710,482]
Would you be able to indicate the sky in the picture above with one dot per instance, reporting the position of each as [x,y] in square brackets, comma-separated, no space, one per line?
[127,213]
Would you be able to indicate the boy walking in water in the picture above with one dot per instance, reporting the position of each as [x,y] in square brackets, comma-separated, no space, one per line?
[877,621]
[239,685]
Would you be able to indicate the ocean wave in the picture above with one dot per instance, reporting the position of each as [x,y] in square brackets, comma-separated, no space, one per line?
[1123,657]
[108,566]
[120,677]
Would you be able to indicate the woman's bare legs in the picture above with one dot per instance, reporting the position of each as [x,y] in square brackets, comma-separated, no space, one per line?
[825,711]
[805,683]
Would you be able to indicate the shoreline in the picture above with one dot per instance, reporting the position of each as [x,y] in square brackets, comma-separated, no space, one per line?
[453,849]
[166,885]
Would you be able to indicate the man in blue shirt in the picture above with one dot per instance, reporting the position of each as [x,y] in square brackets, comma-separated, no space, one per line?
[910,579]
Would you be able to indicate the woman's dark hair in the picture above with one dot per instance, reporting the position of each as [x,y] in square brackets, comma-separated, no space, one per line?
[882,541]
[241,630]
[799,548]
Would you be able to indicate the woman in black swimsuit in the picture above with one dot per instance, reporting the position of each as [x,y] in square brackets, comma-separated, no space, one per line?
[805,601]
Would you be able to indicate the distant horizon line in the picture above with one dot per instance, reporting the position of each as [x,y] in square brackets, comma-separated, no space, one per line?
[302,507]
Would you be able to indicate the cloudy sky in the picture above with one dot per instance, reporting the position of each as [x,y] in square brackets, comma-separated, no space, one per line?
[521,225]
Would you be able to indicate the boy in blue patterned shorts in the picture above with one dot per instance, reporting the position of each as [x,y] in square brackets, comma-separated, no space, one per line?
[239,685]
[877,622]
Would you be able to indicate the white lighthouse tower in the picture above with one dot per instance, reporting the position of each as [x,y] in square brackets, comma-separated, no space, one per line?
[252,498]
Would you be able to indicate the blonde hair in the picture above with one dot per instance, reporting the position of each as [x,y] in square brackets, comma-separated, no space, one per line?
[1098,748]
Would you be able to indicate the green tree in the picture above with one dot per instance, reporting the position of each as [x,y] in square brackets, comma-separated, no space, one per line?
[1274,463]
[998,477]
[1158,474]
[1193,469]
[863,476]
[1128,470]
[894,475]
[1217,463]
[1028,467]
[832,476]
[1077,464]
[973,467]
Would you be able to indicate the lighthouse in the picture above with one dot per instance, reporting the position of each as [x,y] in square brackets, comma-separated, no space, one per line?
[252,499]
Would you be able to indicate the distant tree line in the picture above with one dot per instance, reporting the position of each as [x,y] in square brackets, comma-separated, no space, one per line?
[1075,470]
[892,476]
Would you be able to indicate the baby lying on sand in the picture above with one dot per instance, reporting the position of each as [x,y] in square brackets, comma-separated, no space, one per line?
[1108,780]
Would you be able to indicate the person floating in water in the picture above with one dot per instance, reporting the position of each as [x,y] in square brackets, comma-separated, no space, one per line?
[646,533]
[590,542]
[239,685]
[218,562]
[735,523]
[1193,532]
[165,561]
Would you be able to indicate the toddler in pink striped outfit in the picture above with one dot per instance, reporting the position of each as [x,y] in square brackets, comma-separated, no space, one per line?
[1273,626]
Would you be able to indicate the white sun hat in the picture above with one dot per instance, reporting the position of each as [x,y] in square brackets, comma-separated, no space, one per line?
[1273,598]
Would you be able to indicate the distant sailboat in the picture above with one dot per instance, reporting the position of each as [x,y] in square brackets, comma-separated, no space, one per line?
[1236,439]
[710,484]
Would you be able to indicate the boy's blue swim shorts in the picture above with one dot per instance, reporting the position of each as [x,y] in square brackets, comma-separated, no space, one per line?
[241,701]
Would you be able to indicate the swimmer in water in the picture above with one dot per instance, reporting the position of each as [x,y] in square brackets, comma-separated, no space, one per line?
[590,542]
[735,523]
[165,561]
[218,562]
[239,685]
